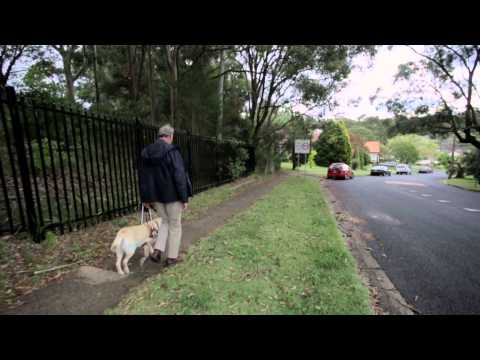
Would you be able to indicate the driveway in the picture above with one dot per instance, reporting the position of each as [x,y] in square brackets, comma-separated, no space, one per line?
[426,237]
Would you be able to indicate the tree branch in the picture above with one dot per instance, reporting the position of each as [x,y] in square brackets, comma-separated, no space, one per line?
[441,66]
[459,55]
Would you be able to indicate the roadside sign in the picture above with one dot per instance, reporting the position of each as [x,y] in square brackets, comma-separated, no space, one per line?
[302,146]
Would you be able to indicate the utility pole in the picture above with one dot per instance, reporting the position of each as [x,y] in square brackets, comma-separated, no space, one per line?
[452,163]
[453,149]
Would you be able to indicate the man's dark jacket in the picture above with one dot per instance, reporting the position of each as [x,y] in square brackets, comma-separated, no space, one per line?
[162,174]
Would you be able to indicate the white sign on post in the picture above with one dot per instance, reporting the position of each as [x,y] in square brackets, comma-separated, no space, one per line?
[302,146]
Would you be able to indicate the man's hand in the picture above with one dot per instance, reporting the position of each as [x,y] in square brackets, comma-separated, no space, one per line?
[147,205]
[185,206]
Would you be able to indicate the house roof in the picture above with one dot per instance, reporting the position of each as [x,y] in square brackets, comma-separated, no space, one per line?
[373,146]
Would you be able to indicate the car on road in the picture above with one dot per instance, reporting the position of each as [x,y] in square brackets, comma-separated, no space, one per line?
[380,170]
[425,170]
[339,170]
[403,169]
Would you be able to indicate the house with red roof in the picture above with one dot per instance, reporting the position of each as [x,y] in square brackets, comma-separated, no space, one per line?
[373,148]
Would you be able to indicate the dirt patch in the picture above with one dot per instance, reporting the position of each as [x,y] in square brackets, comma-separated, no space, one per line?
[71,293]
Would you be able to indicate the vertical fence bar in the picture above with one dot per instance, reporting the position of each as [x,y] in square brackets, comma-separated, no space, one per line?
[52,164]
[120,171]
[23,106]
[62,167]
[109,163]
[18,132]
[114,153]
[104,162]
[133,164]
[69,161]
[189,157]
[2,175]
[138,149]
[12,162]
[82,120]
[217,168]
[95,134]
[77,163]
[126,165]
[42,159]
[127,137]
[90,158]
[5,196]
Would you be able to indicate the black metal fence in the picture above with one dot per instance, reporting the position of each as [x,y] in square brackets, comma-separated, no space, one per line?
[62,168]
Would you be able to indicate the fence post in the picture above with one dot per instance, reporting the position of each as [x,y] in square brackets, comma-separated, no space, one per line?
[19,140]
[217,169]
[189,156]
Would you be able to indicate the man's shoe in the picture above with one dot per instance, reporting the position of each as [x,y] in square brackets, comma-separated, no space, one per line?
[171,262]
[156,256]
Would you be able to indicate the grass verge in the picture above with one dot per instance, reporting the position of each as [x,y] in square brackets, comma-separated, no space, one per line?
[284,255]
[469,183]
[20,257]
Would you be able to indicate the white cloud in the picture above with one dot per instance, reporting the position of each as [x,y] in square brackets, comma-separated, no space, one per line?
[371,78]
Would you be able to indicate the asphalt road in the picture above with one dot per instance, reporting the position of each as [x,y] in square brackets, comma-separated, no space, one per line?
[427,237]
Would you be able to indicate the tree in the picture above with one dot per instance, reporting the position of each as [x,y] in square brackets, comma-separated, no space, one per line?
[444,159]
[74,66]
[403,149]
[426,148]
[371,128]
[334,144]
[452,73]
[278,75]
[9,55]
[359,152]
[42,80]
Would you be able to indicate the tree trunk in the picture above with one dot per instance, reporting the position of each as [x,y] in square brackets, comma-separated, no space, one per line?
[3,81]
[97,93]
[150,83]
[67,69]
[220,97]
[171,57]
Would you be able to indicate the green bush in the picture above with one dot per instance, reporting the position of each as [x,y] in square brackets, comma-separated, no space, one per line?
[444,159]
[37,154]
[236,164]
[311,158]
[334,144]
[471,162]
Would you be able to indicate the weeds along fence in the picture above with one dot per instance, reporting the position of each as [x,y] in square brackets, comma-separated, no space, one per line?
[61,168]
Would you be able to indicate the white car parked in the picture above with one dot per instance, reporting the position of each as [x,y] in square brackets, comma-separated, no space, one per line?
[403,169]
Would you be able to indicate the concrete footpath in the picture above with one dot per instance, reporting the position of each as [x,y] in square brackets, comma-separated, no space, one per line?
[90,290]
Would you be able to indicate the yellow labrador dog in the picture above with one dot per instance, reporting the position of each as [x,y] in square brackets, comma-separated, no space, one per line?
[130,238]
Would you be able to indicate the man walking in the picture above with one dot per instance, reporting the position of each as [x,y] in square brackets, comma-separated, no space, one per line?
[165,187]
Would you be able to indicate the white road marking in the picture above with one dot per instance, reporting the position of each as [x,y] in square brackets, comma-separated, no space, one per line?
[426,195]
[471,210]
[444,201]
[413,191]
[404,183]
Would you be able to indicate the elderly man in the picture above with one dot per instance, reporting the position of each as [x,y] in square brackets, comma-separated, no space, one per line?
[165,187]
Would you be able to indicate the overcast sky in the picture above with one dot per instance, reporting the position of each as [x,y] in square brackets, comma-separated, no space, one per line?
[370,77]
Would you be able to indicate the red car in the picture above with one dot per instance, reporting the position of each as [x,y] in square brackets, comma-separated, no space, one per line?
[339,170]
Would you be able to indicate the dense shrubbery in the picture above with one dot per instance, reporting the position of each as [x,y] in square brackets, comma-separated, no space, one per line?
[334,144]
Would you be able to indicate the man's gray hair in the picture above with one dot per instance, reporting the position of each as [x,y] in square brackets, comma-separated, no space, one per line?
[166,130]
